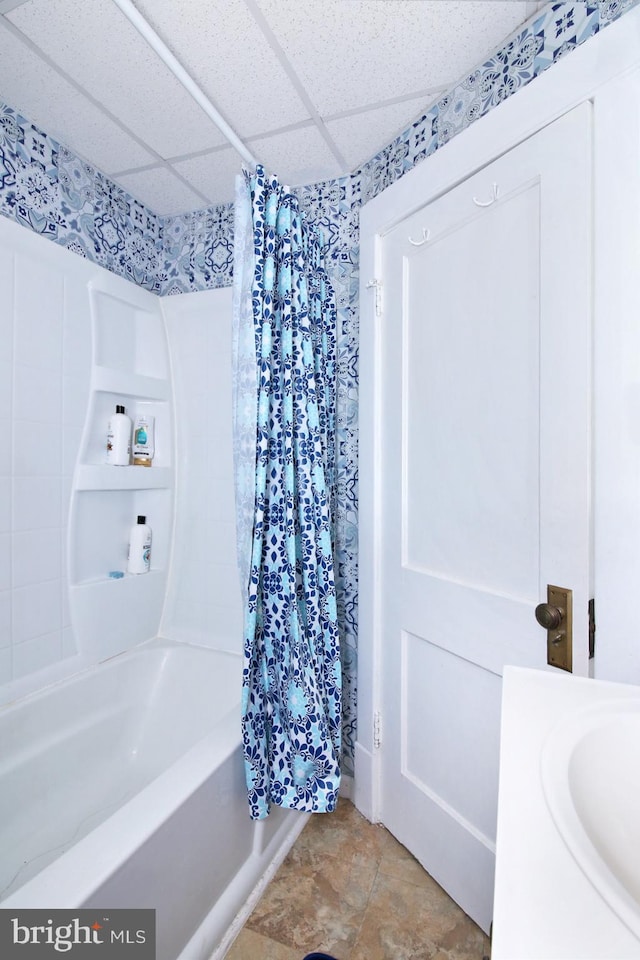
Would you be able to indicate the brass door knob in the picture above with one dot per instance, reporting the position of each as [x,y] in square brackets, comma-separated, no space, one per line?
[548,616]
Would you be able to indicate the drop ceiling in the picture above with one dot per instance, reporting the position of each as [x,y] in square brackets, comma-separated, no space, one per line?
[313,87]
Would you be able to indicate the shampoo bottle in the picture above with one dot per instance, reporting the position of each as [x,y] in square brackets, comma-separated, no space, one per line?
[140,547]
[119,438]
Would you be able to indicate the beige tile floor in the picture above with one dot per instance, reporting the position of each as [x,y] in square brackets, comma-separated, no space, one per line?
[348,888]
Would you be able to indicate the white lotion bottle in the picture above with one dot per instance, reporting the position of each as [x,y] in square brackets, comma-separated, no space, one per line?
[119,438]
[139,547]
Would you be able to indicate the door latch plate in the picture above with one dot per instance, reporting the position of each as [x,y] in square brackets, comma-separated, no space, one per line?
[560,639]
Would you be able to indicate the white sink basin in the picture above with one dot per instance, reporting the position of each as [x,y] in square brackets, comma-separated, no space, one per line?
[591,779]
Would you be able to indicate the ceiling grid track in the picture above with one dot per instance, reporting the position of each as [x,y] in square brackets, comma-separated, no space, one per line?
[273,42]
[312,92]
[160,162]
[134,16]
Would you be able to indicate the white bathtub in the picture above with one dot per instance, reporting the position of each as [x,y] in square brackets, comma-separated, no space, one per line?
[124,787]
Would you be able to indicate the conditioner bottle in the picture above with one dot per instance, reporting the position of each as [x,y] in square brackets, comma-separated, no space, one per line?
[140,547]
[143,447]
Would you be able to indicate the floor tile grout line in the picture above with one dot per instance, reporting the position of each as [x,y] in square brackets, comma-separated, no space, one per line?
[380,867]
[364,911]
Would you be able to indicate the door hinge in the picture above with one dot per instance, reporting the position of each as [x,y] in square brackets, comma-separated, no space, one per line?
[592,629]
[377,286]
[377,730]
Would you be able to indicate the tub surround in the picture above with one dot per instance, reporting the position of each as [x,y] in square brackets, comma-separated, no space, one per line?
[45,346]
[76,340]
[203,602]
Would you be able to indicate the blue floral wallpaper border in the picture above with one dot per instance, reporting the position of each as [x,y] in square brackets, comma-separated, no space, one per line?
[552,33]
[47,188]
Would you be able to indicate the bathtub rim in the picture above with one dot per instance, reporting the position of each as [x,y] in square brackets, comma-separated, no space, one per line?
[76,667]
[77,873]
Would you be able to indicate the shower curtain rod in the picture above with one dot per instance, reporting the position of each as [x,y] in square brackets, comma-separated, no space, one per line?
[152,38]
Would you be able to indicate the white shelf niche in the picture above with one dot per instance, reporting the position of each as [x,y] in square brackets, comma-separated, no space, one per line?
[128,333]
[101,524]
[107,477]
[130,367]
[103,404]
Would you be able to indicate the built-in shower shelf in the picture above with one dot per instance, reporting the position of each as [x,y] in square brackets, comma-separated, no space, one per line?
[145,581]
[105,477]
[130,368]
[108,380]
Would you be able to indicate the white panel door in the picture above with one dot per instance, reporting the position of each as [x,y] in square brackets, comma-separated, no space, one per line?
[485,378]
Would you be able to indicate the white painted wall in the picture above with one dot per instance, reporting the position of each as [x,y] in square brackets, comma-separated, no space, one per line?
[616,373]
[203,598]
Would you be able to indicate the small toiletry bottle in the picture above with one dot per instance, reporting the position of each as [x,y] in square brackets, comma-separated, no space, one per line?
[139,547]
[119,438]
[143,448]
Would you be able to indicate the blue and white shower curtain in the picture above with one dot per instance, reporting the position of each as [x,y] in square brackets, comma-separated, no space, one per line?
[284,411]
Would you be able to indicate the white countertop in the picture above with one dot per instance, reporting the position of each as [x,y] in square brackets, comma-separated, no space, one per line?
[545,907]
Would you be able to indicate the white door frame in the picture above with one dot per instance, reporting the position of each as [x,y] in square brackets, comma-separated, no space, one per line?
[602,70]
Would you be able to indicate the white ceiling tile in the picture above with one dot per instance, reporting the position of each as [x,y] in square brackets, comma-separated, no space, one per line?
[358,52]
[48,100]
[297,157]
[360,136]
[346,54]
[226,53]
[212,174]
[97,46]
[161,191]
[6,5]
